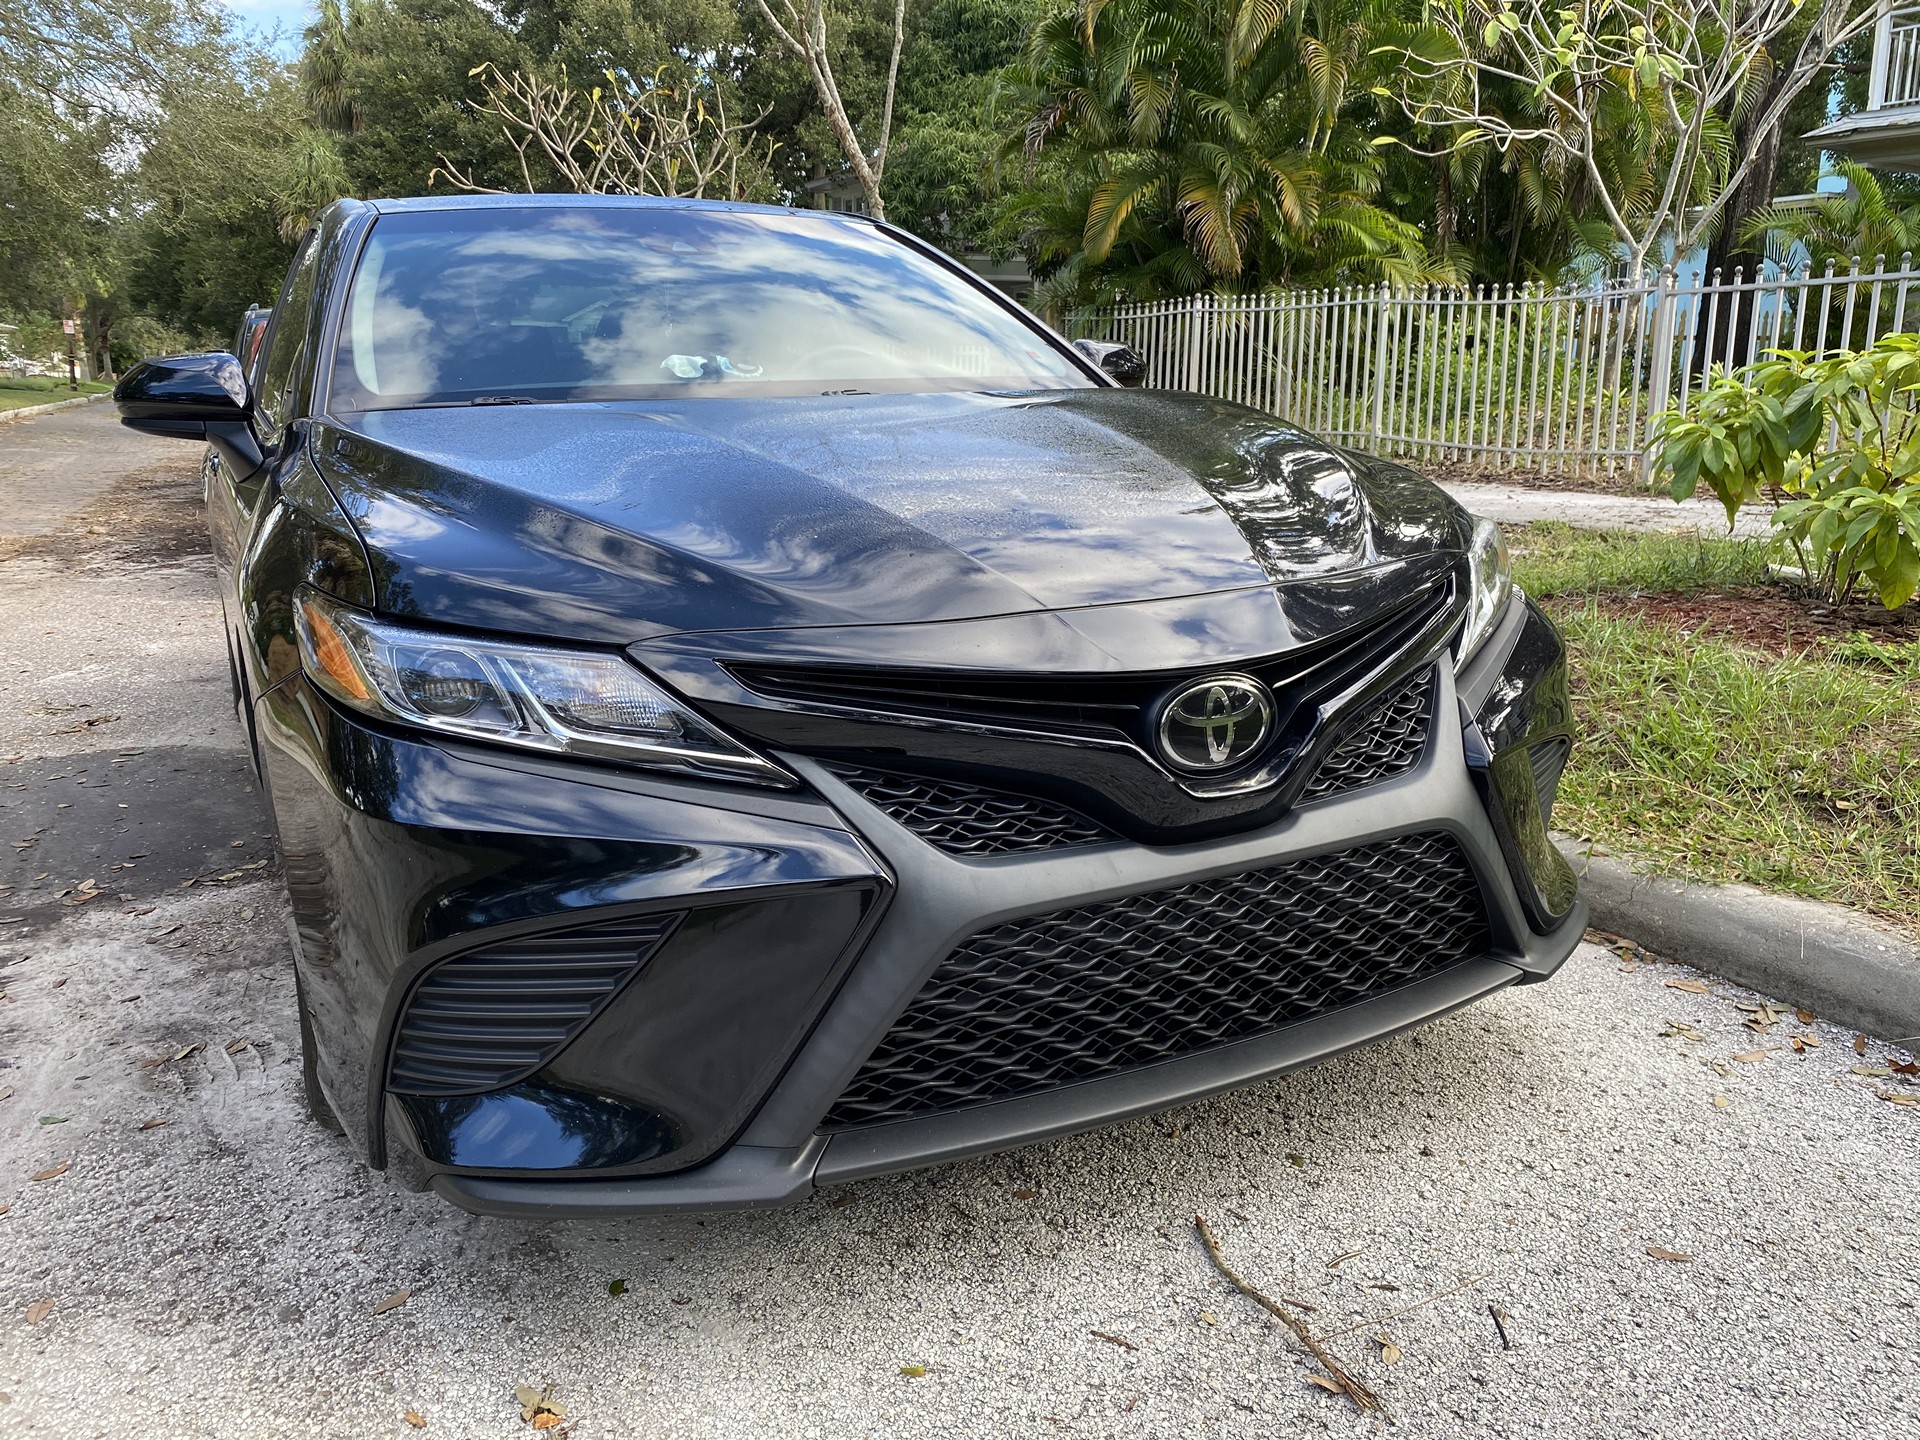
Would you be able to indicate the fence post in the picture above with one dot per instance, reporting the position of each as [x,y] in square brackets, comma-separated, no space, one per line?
[1196,326]
[1376,372]
[1665,301]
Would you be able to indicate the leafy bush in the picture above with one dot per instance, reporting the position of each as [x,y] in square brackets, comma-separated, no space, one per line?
[1833,441]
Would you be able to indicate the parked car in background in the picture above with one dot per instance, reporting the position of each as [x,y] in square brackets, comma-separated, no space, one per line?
[746,707]
[250,337]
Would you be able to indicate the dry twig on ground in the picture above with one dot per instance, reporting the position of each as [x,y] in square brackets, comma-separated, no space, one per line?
[1363,1398]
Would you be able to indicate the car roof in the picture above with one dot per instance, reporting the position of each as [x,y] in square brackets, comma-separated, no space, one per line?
[410,203]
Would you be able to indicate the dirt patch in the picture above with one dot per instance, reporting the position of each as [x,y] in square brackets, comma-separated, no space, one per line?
[1768,619]
[1468,472]
[152,516]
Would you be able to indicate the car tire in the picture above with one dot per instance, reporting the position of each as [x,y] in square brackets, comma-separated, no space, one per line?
[317,1105]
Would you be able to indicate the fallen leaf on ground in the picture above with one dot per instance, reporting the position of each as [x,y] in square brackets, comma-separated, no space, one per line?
[152,1124]
[1751,1057]
[1682,1029]
[1325,1384]
[1389,1352]
[235,1047]
[913,1372]
[1721,1102]
[538,1408]
[393,1301]
[182,1053]
[1874,1070]
[1660,1252]
[1692,987]
[1207,1315]
[38,1311]
[1024,1194]
[1113,1339]
[1805,1017]
[616,1288]
[56,1171]
[1893,1097]
[1859,1044]
[62,1119]
[415,1419]
[1904,1067]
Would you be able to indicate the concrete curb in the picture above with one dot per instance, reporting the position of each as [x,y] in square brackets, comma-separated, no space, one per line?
[28,411]
[1842,965]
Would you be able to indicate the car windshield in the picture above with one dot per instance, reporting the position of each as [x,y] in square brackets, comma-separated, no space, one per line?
[617,302]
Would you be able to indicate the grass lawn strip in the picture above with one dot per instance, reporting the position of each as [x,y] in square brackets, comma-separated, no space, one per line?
[1788,757]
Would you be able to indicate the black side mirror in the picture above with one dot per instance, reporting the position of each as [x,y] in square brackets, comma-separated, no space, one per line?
[1119,363]
[193,397]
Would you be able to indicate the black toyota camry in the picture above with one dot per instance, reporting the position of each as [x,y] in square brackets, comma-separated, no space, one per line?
[746,707]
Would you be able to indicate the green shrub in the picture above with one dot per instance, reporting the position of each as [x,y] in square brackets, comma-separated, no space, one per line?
[1832,441]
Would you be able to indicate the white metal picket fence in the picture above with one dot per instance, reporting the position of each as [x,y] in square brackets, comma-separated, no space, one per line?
[1560,380]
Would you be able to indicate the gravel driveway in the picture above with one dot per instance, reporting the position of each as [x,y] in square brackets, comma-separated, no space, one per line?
[213,1261]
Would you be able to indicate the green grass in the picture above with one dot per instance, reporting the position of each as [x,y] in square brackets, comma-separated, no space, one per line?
[1555,559]
[40,390]
[1717,761]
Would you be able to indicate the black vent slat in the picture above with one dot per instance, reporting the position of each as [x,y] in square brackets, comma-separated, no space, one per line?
[491,1017]
[1388,743]
[1051,1000]
[964,819]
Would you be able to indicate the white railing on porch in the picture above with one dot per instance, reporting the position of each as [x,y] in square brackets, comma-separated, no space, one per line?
[1894,78]
[1562,380]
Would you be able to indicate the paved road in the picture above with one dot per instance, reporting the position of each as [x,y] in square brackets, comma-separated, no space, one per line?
[1518,504]
[215,1273]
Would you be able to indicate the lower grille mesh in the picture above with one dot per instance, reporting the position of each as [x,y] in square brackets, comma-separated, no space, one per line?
[1388,744]
[1052,999]
[494,1016]
[966,820]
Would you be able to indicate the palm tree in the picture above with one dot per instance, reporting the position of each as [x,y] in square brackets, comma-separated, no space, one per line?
[1864,223]
[1173,146]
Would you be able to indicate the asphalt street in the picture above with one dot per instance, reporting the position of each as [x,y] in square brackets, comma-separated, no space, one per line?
[1618,1204]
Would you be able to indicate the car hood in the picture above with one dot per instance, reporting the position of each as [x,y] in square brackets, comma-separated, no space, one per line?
[621,522]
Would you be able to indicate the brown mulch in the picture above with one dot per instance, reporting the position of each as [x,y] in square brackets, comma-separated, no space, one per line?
[1767,619]
[1468,472]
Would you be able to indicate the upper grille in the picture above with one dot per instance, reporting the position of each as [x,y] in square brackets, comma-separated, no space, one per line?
[1049,1000]
[493,1016]
[1103,706]
[1389,743]
[967,820]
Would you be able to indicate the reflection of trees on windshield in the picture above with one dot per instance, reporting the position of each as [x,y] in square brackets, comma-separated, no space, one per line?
[539,302]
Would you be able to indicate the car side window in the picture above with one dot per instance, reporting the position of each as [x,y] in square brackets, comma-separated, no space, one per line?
[289,335]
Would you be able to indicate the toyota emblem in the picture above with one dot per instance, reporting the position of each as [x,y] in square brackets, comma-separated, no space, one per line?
[1215,723]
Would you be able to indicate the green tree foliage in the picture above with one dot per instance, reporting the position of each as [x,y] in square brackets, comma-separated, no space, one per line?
[1167,148]
[945,134]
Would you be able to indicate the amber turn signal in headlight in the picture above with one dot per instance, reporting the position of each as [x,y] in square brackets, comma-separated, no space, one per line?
[535,697]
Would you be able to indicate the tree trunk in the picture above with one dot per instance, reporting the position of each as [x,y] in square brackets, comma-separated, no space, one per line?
[1728,251]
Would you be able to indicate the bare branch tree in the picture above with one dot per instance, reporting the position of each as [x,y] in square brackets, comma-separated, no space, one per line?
[1686,68]
[804,32]
[664,135]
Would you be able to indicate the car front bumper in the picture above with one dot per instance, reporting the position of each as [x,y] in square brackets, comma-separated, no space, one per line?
[804,927]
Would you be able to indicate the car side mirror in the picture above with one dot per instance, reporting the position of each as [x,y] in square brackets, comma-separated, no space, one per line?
[1120,363]
[193,397]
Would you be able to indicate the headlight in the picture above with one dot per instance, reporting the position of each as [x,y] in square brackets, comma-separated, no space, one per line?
[531,696]
[1491,587]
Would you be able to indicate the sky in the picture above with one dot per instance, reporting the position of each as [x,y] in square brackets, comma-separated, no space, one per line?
[290,16]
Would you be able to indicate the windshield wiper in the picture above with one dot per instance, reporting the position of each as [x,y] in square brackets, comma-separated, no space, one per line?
[503,400]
